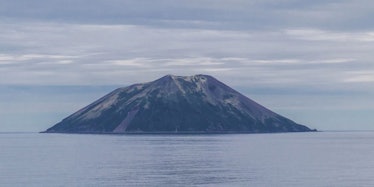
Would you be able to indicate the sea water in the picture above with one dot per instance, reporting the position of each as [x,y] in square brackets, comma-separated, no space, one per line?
[287,159]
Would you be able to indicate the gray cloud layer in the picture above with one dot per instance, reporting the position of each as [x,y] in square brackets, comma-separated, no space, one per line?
[48,53]
[233,14]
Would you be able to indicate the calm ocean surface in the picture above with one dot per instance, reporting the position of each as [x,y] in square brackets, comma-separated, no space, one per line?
[291,159]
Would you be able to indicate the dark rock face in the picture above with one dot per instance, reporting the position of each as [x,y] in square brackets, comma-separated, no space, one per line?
[176,104]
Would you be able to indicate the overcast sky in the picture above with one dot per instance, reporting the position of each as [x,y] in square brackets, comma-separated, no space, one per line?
[311,61]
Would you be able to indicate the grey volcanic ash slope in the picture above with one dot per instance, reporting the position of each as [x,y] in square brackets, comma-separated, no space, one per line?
[173,104]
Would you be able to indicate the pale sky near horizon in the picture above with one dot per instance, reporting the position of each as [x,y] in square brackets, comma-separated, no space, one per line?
[311,61]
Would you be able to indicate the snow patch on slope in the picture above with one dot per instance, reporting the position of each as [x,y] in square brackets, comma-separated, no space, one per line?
[176,82]
[105,104]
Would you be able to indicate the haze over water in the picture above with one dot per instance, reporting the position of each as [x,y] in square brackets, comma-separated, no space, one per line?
[290,159]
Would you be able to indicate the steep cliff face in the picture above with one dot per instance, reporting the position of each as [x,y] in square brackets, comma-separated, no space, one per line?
[176,104]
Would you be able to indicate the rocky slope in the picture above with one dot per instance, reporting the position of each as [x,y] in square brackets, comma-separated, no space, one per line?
[176,104]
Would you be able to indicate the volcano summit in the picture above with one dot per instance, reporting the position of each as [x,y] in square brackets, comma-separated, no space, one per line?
[176,104]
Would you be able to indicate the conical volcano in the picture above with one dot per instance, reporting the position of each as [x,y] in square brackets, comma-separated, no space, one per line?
[176,104]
